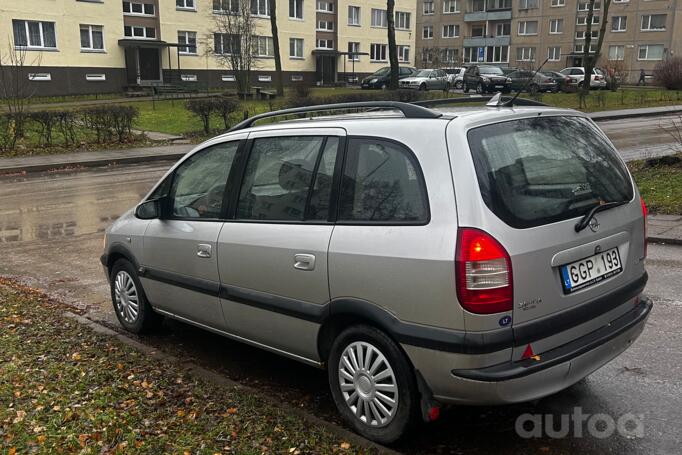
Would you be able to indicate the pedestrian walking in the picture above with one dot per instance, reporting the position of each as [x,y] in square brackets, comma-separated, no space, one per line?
[642,77]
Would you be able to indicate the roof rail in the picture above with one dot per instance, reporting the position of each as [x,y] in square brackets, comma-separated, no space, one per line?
[408,110]
[476,99]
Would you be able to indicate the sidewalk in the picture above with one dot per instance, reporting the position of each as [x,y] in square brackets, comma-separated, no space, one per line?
[665,229]
[640,112]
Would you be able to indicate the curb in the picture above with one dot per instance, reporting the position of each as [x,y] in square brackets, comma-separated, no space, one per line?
[223,381]
[605,116]
[664,240]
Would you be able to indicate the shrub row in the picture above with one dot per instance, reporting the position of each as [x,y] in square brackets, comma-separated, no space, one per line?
[206,107]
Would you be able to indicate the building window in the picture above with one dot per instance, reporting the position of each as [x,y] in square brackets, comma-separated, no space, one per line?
[528,27]
[580,48]
[478,31]
[325,44]
[585,6]
[653,22]
[295,9]
[582,20]
[556,26]
[580,34]
[554,53]
[651,52]
[226,6]
[619,23]
[427,32]
[353,51]
[402,20]
[92,38]
[428,8]
[40,77]
[189,40]
[497,54]
[133,31]
[34,34]
[379,18]
[327,7]
[96,77]
[499,4]
[450,6]
[617,52]
[525,54]
[450,55]
[403,53]
[185,5]
[503,29]
[264,46]
[189,77]
[225,44]
[139,9]
[260,8]
[264,78]
[377,52]
[450,31]
[296,78]
[556,3]
[528,4]
[325,26]
[295,48]
[353,15]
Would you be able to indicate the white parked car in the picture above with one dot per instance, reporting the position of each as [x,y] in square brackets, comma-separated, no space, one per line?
[577,75]
[455,76]
[427,79]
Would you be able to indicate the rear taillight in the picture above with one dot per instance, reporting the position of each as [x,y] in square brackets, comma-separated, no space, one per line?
[644,215]
[484,273]
[548,81]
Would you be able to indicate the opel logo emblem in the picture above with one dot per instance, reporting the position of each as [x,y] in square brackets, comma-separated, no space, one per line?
[594,225]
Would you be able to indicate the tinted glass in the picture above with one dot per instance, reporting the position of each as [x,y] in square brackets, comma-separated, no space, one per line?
[542,170]
[319,199]
[381,182]
[199,183]
[278,177]
[490,70]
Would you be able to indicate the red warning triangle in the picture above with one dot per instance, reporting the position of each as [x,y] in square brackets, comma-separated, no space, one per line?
[528,353]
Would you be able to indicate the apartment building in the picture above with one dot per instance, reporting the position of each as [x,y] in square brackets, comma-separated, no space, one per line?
[523,33]
[101,46]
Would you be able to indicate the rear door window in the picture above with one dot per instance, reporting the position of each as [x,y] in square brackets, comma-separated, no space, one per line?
[382,182]
[541,170]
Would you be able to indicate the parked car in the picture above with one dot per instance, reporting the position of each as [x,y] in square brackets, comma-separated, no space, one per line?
[452,74]
[486,78]
[562,81]
[382,77]
[426,79]
[508,69]
[458,80]
[500,261]
[532,82]
[577,75]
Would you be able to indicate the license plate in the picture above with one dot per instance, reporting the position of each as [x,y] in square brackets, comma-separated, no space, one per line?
[586,272]
[499,86]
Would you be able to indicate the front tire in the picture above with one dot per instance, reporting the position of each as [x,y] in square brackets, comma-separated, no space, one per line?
[130,302]
[458,85]
[423,88]
[373,384]
[479,88]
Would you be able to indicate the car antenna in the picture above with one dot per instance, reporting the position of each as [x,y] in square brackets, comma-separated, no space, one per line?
[510,103]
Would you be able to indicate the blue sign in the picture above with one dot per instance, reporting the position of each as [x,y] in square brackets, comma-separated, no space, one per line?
[481,54]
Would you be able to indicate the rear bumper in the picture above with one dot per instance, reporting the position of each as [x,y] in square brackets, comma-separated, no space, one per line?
[557,369]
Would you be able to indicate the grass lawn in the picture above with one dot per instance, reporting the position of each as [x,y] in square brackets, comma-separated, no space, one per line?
[66,389]
[661,186]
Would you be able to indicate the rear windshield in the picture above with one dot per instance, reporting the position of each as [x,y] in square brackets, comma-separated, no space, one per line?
[541,170]
[490,70]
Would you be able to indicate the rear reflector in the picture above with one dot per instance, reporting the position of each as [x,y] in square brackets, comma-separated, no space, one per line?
[644,214]
[484,273]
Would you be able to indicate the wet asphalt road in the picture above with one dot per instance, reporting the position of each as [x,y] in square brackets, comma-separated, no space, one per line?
[51,228]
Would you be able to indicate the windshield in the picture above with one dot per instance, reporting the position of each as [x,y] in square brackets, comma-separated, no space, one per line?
[490,70]
[382,71]
[541,170]
[423,73]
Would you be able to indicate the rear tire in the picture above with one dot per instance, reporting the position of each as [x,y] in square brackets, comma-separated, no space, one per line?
[130,302]
[458,85]
[373,384]
[479,89]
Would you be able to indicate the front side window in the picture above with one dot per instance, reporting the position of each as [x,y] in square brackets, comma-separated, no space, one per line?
[92,38]
[278,178]
[34,34]
[199,183]
[381,182]
[542,170]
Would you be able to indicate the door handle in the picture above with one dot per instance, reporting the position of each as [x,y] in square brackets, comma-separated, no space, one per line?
[204,250]
[304,262]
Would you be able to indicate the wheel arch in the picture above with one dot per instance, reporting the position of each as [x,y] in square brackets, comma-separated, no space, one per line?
[118,251]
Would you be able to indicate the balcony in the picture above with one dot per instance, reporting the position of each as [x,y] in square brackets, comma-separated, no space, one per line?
[494,15]
[484,41]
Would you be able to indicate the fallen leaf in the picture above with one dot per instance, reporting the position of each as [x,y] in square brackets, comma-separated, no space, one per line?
[20,416]
[232,411]
[345,445]
[41,439]
[75,356]
[12,451]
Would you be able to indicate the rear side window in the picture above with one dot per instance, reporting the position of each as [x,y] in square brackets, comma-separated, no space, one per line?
[541,170]
[382,182]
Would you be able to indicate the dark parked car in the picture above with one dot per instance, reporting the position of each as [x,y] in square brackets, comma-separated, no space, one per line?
[563,82]
[532,82]
[486,78]
[382,77]
[508,69]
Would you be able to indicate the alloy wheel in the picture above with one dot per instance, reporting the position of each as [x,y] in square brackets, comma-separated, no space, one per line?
[126,296]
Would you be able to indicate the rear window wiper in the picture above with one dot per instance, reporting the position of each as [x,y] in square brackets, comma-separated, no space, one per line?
[601,205]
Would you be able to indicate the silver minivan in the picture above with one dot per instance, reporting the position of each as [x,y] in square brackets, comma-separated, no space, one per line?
[422,256]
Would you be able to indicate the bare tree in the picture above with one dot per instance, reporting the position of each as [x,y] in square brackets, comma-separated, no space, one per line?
[16,89]
[392,46]
[590,59]
[279,83]
[235,43]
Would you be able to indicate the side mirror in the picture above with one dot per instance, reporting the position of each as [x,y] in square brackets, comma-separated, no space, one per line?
[149,210]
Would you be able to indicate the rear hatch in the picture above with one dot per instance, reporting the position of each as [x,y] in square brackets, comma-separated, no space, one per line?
[539,177]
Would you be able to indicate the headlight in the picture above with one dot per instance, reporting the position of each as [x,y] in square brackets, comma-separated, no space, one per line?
[485,79]
[373,81]
[508,81]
